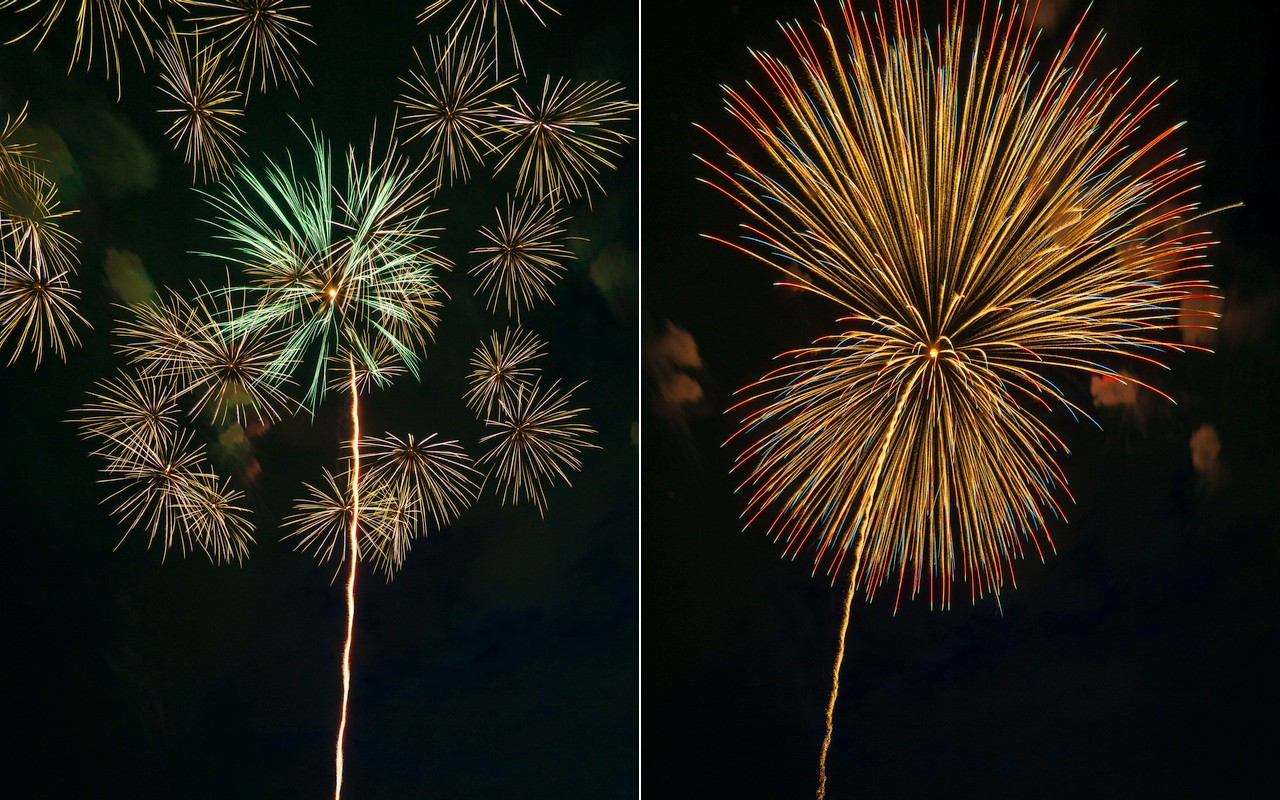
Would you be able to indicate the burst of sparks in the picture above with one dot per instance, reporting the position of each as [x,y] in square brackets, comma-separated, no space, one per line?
[31,217]
[423,479]
[37,310]
[263,34]
[537,441]
[526,255]
[101,23]
[986,226]
[128,408]
[563,140]
[224,371]
[206,104]
[450,106]
[500,369]
[471,16]
[165,488]
[322,520]
[334,267]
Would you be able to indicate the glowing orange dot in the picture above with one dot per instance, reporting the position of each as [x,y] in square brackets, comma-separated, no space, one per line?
[933,352]
[333,293]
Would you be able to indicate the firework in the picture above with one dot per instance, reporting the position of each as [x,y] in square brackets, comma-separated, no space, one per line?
[472,15]
[334,267]
[426,478]
[525,256]
[37,310]
[166,490]
[450,106]
[14,154]
[263,34]
[563,140]
[206,102]
[538,439]
[225,372]
[971,225]
[31,218]
[983,229]
[322,520]
[435,475]
[500,369]
[128,408]
[101,23]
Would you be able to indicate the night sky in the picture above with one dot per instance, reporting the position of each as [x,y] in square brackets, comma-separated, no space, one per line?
[1136,661]
[503,660]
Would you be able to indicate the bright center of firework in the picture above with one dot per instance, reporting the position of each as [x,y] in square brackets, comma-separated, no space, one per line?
[333,292]
[933,352]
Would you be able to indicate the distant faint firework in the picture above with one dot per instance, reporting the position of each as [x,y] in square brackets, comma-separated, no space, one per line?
[472,15]
[525,255]
[101,24]
[984,226]
[206,103]
[564,139]
[536,443]
[263,35]
[450,106]
[500,368]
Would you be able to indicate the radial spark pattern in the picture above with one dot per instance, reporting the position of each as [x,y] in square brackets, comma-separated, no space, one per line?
[205,104]
[335,266]
[564,139]
[536,443]
[500,369]
[471,17]
[223,371]
[525,256]
[988,228]
[450,106]
[262,34]
[37,310]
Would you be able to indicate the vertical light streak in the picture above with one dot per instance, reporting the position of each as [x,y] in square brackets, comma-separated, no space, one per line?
[853,585]
[835,672]
[351,579]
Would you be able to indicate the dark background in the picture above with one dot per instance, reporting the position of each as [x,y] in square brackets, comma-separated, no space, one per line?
[1137,661]
[502,662]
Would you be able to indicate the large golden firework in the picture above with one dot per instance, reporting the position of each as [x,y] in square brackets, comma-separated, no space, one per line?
[987,228]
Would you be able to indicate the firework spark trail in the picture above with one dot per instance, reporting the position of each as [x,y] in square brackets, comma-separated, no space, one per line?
[835,673]
[351,579]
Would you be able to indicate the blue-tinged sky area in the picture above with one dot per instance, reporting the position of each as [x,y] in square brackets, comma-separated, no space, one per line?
[501,662]
[1136,660]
